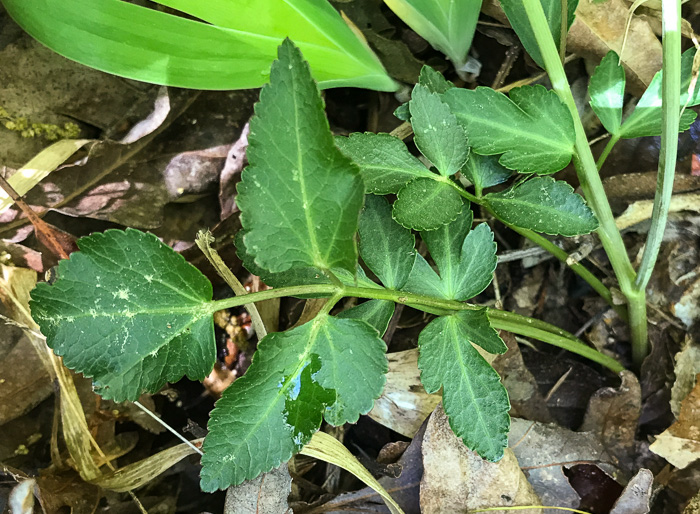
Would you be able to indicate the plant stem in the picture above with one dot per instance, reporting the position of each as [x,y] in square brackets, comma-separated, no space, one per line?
[512,322]
[606,151]
[588,175]
[670,117]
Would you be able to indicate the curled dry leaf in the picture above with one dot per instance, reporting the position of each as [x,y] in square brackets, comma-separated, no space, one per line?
[266,494]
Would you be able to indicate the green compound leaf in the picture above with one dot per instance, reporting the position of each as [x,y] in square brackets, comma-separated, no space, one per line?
[466,260]
[300,197]
[485,171]
[129,312]
[475,401]
[229,46]
[377,313]
[387,248]
[426,204]
[532,129]
[645,120]
[385,163]
[544,205]
[438,134]
[607,92]
[517,16]
[328,368]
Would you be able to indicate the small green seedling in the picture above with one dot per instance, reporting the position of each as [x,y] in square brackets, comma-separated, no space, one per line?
[132,314]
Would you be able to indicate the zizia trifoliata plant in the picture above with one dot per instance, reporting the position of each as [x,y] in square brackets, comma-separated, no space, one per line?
[132,314]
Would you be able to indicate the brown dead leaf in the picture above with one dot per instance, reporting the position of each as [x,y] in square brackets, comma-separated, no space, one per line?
[636,496]
[236,160]
[456,479]
[686,369]
[266,494]
[680,443]
[600,27]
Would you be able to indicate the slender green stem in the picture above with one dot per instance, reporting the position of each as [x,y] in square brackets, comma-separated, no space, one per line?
[588,174]
[557,252]
[512,322]
[670,117]
[606,151]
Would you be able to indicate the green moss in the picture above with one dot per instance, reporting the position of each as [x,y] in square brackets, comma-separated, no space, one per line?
[28,128]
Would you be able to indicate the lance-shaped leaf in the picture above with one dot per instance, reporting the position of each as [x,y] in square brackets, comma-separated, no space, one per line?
[517,16]
[129,312]
[427,204]
[448,25]
[485,171]
[385,163]
[437,133]
[544,205]
[533,129]
[466,260]
[328,368]
[233,50]
[607,92]
[645,120]
[300,197]
[387,248]
[475,401]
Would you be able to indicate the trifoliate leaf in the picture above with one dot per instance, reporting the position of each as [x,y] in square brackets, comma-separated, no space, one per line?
[607,92]
[433,80]
[517,16]
[485,171]
[377,313]
[385,163]
[129,312]
[387,248]
[426,204]
[466,260]
[533,129]
[544,205]
[329,367]
[475,401]
[300,197]
[645,120]
[437,133]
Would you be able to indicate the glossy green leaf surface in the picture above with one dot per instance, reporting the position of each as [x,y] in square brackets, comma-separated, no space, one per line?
[485,171]
[515,11]
[544,205]
[475,401]
[465,258]
[129,312]
[645,120]
[300,197]
[437,133]
[233,51]
[426,204]
[533,129]
[448,25]
[387,248]
[329,368]
[385,163]
[607,92]
[377,313]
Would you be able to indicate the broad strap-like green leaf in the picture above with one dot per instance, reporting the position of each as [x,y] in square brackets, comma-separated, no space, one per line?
[544,205]
[515,11]
[427,204]
[377,313]
[233,51]
[129,312]
[475,401]
[465,258]
[607,92]
[645,120]
[485,171]
[328,368]
[387,248]
[437,133]
[533,129]
[448,25]
[385,163]
[300,197]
